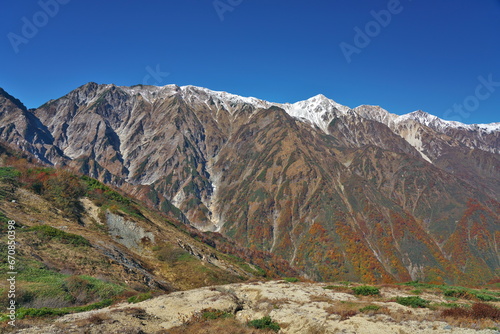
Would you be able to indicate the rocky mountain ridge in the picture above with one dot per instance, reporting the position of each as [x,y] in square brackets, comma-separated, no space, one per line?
[347,193]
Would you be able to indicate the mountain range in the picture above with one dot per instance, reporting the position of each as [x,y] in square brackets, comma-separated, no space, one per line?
[340,193]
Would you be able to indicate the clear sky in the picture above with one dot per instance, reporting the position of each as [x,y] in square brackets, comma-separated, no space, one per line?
[439,56]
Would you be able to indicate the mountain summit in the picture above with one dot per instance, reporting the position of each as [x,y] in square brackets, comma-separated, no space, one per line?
[341,193]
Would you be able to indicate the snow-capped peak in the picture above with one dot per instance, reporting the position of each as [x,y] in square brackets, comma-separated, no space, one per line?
[319,102]
[318,110]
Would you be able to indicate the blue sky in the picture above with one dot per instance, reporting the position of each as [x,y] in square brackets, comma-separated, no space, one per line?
[439,56]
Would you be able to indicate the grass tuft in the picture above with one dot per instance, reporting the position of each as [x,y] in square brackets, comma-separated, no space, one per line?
[46,311]
[366,290]
[50,232]
[140,298]
[264,323]
[291,279]
[369,308]
[212,314]
[413,301]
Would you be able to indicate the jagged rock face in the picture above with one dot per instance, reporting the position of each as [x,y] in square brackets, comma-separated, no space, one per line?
[20,127]
[341,193]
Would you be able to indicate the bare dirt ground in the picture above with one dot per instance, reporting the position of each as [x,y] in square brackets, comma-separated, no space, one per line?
[297,307]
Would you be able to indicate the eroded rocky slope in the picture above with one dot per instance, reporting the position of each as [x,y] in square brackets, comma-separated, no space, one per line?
[340,193]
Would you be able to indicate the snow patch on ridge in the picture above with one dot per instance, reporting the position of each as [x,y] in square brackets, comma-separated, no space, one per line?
[152,93]
[442,125]
[222,99]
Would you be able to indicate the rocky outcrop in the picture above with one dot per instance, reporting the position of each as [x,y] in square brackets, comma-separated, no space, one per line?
[127,232]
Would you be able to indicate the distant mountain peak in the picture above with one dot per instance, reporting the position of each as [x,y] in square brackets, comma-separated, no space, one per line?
[319,97]
[375,113]
[420,113]
[317,110]
[12,99]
